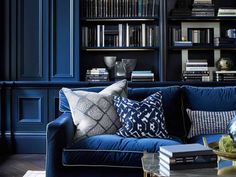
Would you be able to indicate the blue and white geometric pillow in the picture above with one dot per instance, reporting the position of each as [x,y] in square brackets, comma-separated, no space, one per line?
[141,119]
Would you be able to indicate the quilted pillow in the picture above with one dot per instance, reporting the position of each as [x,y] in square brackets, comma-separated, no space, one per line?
[141,119]
[94,113]
[206,122]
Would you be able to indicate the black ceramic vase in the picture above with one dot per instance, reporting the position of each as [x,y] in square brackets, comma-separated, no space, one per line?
[231,128]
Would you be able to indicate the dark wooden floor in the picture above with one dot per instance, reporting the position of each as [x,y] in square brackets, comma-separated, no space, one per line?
[17,165]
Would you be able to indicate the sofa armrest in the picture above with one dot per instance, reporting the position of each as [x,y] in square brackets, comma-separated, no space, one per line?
[60,133]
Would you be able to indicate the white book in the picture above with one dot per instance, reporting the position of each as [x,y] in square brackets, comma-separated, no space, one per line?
[120,26]
[143,35]
[98,36]
[185,150]
[196,68]
[225,72]
[127,35]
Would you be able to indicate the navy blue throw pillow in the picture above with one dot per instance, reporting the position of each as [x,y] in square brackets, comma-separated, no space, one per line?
[141,119]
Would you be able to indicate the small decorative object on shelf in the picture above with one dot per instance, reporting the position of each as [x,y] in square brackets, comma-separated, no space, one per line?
[231,33]
[110,63]
[224,64]
[129,66]
[120,71]
[231,128]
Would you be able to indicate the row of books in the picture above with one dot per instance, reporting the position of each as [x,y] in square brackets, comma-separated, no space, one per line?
[142,76]
[196,36]
[97,75]
[224,76]
[119,8]
[203,36]
[121,35]
[185,156]
[196,70]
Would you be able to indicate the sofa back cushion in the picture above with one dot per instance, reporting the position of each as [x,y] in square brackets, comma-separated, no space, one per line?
[171,96]
[208,99]
[63,102]
[119,88]
[171,99]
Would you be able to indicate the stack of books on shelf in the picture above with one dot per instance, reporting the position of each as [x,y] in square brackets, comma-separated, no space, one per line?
[225,12]
[142,76]
[224,42]
[119,8]
[196,70]
[224,76]
[185,156]
[203,8]
[97,74]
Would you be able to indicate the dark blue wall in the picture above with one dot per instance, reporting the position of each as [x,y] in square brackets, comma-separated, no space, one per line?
[64,63]
[41,42]
[2,31]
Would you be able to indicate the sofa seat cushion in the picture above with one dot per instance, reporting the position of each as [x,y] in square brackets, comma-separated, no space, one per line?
[210,138]
[112,150]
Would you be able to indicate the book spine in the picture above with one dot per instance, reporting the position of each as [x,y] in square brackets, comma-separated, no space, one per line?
[143,35]
[210,164]
[98,36]
[127,35]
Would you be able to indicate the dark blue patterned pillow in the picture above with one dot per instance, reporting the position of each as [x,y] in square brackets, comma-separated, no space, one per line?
[141,119]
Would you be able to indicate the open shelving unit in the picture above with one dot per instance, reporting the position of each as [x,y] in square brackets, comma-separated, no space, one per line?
[176,55]
[123,31]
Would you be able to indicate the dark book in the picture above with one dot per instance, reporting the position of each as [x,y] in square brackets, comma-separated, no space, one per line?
[185,150]
[168,167]
[188,159]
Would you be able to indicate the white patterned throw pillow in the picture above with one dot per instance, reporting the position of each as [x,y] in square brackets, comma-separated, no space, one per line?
[94,113]
[208,122]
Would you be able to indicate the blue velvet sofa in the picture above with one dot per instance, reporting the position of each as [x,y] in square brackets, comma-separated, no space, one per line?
[112,155]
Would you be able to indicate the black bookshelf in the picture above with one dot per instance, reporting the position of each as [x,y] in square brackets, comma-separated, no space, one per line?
[122,28]
[200,51]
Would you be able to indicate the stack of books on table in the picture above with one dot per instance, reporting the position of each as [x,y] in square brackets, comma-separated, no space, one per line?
[97,74]
[142,76]
[196,70]
[224,76]
[185,156]
[203,8]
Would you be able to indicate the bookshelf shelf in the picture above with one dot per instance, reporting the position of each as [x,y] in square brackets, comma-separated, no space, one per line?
[212,37]
[95,49]
[122,28]
[201,19]
[120,19]
[202,48]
